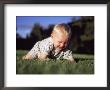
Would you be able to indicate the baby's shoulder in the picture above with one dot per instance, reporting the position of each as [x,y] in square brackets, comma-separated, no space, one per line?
[46,45]
[46,41]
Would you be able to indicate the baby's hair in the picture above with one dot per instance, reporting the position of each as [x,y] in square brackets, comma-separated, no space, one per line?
[63,26]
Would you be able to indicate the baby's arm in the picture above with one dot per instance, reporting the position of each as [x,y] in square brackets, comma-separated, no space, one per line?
[41,50]
[32,53]
[28,56]
[41,56]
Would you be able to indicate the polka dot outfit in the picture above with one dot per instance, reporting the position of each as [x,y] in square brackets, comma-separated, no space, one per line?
[47,46]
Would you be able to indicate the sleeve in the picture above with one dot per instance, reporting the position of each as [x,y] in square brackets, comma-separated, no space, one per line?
[46,47]
[68,55]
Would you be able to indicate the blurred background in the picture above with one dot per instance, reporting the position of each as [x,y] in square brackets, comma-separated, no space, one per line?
[30,29]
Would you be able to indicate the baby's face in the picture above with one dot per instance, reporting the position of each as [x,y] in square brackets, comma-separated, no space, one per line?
[60,40]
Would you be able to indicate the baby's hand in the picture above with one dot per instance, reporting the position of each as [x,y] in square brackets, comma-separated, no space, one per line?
[27,57]
[42,56]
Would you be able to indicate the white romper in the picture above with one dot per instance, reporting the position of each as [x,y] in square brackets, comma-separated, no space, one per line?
[46,45]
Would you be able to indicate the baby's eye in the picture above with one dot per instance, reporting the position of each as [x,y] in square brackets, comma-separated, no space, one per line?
[59,42]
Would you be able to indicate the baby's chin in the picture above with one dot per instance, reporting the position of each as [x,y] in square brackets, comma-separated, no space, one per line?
[58,49]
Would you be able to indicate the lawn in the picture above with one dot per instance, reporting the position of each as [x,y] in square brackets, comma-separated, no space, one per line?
[84,65]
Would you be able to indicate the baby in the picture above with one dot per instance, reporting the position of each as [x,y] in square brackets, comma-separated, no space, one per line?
[54,46]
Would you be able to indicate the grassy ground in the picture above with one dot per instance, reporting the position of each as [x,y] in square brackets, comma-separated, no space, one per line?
[84,65]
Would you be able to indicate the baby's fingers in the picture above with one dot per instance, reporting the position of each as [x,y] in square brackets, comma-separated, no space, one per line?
[26,58]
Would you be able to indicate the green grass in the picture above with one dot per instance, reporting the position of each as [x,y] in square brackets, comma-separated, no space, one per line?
[84,65]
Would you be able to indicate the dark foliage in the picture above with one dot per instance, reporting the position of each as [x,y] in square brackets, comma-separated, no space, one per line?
[82,40]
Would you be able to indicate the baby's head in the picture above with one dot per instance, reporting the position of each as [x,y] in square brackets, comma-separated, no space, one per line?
[61,35]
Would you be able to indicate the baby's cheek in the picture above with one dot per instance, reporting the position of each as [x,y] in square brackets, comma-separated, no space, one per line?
[56,45]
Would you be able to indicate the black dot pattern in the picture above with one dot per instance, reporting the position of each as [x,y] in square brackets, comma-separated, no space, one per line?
[47,46]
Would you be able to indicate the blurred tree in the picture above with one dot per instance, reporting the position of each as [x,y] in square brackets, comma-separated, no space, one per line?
[18,36]
[36,33]
[19,41]
[82,40]
[48,31]
[87,38]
